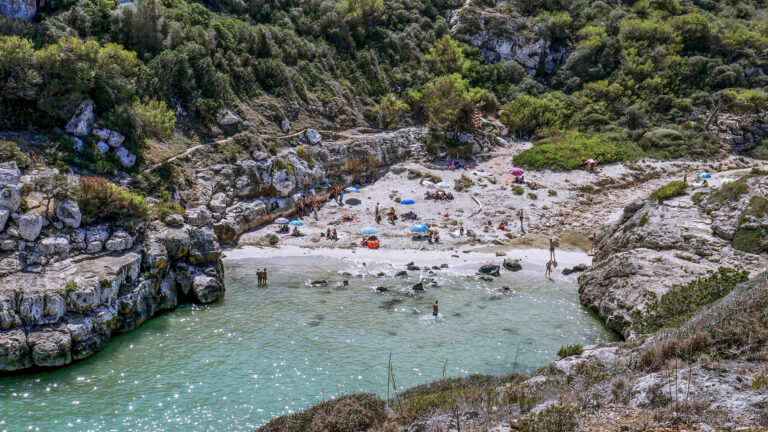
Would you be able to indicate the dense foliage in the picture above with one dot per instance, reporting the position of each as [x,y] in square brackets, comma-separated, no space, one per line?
[101,200]
[677,306]
[650,73]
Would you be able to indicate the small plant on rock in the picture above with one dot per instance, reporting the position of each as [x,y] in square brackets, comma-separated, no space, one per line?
[671,190]
[570,350]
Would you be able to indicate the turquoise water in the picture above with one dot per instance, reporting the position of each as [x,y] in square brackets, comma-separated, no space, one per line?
[265,351]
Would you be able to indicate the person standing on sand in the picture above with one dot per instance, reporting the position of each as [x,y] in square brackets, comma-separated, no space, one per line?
[552,244]
[376,213]
[685,177]
[520,215]
[548,273]
[335,236]
[434,309]
[461,230]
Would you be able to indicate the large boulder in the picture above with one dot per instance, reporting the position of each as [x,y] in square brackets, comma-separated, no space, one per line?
[513,265]
[127,159]
[95,239]
[10,197]
[120,240]
[30,225]
[313,136]
[81,123]
[489,269]
[9,173]
[199,216]
[68,212]
[14,351]
[50,346]
[207,289]
[228,118]
[22,9]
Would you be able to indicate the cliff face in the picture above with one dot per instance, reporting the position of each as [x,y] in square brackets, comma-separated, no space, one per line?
[655,247]
[68,310]
[23,9]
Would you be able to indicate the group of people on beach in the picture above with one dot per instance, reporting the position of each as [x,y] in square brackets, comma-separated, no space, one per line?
[307,205]
[553,242]
[262,276]
[331,234]
[439,195]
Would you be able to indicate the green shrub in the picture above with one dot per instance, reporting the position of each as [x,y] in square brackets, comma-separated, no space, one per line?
[448,100]
[643,220]
[302,153]
[350,413]
[525,114]
[670,190]
[759,383]
[9,151]
[556,418]
[698,197]
[588,188]
[272,149]
[677,306]
[163,209]
[156,119]
[729,192]
[101,200]
[71,286]
[568,150]
[570,350]
[532,195]
[518,190]
[752,240]
[552,192]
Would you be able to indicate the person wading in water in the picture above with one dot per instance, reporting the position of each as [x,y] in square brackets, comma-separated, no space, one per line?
[434,309]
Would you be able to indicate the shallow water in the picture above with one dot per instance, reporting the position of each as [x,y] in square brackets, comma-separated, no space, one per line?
[265,351]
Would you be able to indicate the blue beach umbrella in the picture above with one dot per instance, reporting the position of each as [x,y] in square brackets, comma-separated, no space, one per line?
[369,230]
[407,201]
[296,223]
[419,228]
[281,221]
[705,175]
[351,189]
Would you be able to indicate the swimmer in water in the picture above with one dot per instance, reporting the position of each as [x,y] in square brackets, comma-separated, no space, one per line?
[434,309]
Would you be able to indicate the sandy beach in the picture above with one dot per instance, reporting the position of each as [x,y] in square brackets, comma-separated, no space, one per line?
[572,207]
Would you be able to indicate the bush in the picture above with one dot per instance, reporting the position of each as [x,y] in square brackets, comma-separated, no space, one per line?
[350,413]
[752,240]
[670,190]
[759,383]
[556,418]
[698,197]
[71,286]
[448,100]
[532,195]
[568,150]
[164,209]
[525,114]
[9,151]
[570,350]
[552,192]
[729,192]
[101,200]
[677,306]
[156,119]
[518,190]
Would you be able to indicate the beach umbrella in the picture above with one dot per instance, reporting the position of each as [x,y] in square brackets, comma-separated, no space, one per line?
[407,201]
[296,223]
[428,184]
[281,221]
[443,185]
[419,228]
[369,230]
[351,189]
[705,175]
[517,172]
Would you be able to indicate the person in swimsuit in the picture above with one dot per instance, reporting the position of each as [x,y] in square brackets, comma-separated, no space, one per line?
[548,273]
[434,309]
[264,276]
[520,215]
[258,275]
[551,249]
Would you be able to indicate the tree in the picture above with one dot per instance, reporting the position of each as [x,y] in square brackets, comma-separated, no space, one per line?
[447,56]
[448,100]
[54,188]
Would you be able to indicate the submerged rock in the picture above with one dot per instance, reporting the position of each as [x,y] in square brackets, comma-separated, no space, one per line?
[490,269]
[576,268]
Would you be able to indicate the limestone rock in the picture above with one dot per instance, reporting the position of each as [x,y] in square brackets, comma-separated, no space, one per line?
[82,121]
[119,241]
[10,197]
[174,220]
[285,125]
[207,289]
[513,265]
[9,173]
[68,212]
[14,351]
[198,216]
[50,346]
[313,136]
[228,118]
[127,159]
[102,146]
[30,225]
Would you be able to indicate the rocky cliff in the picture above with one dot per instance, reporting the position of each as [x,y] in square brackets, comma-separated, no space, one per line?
[656,246]
[23,9]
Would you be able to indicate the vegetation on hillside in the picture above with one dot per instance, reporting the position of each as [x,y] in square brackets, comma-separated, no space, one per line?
[644,74]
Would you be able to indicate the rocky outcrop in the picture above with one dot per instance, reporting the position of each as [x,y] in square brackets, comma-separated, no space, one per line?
[81,123]
[740,133]
[655,247]
[22,9]
[70,309]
